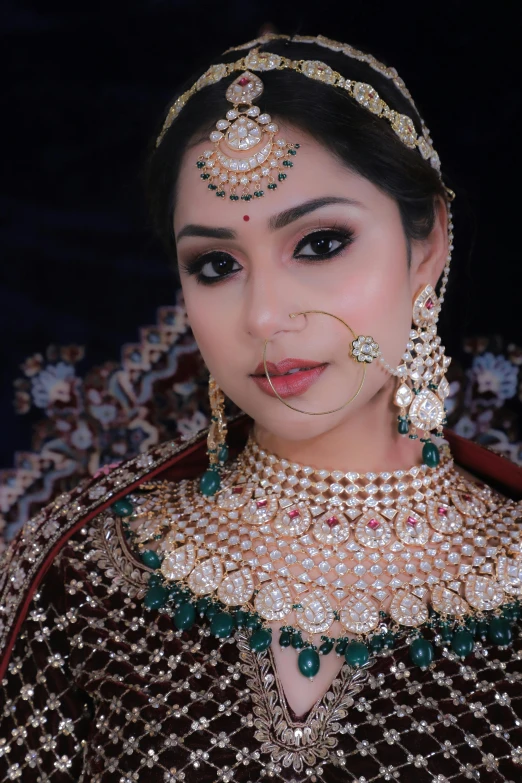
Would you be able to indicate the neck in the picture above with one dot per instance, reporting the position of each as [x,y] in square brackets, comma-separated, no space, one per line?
[364,443]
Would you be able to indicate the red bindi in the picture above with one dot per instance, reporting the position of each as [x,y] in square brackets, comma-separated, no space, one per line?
[246,217]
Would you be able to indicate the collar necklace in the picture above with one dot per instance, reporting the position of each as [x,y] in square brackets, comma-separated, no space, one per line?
[344,561]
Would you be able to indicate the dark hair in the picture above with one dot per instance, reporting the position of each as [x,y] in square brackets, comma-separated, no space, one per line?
[362,141]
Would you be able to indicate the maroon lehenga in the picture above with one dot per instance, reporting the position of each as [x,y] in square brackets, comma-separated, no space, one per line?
[98,689]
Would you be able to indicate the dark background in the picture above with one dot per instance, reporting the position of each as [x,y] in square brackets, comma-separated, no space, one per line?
[85,85]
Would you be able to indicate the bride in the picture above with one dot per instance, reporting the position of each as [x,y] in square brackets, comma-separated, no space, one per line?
[331,591]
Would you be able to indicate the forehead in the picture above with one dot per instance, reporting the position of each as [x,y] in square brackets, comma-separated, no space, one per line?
[316,172]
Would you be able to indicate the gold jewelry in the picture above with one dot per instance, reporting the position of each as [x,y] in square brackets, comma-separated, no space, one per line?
[363,349]
[217,450]
[365,95]
[265,159]
[362,556]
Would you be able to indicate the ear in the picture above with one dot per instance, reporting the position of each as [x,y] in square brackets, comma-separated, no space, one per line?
[429,256]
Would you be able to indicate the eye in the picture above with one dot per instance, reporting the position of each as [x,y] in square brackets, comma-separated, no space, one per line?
[212,267]
[323,244]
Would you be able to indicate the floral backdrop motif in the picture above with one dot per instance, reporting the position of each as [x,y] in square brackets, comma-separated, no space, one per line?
[157,391]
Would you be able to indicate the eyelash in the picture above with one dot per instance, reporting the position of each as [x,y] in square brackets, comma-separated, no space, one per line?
[195,266]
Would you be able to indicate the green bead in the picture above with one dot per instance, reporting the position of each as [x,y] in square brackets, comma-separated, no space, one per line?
[421,652]
[185,616]
[308,662]
[210,482]
[252,622]
[261,640]
[222,625]
[205,176]
[446,632]
[500,631]
[462,643]
[291,152]
[281,177]
[326,647]
[357,654]
[297,641]
[511,612]
[233,197]
[220,193]
[285,639]
[430,454]
[288,163]
[340,647]
[389,640]
[151,558]
[481,630]
[240,618]
[272,186]
[155,579]
[376,643]
[212,187]
[212,610]
[202,605]
[200,164]
[403,426]
[223,454]
[123,507]
[297,146]
[471,625]
[155,597]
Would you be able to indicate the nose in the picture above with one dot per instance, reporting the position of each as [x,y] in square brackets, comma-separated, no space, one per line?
[268,302]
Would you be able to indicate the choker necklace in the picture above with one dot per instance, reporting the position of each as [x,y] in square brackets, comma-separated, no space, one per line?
[344,561]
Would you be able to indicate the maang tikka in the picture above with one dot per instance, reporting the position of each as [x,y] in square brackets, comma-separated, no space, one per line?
[247,156]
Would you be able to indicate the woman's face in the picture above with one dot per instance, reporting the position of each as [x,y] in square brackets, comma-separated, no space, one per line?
[327,239]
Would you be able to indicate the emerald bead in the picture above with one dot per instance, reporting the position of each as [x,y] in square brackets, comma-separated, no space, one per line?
[220,193]
[389,640]
[155,597]
[462,643]
[471,625]
[421,652]
[297,641]
[210,482]
[288,163]
[340,647]
[123,507]
[308,662]
[430,454]
[511,612]
[446,632]
[154,580]
[403,426]
[357,654]
[211,611]
[261,640]
[500,631]
[223,454]
[151,558]
[185,616]
[233,197]
[481,630]
[376,643]
[200,164]
[285,639]
[281,177]
[297,146]
[202,605]
[326,647]
[240,618]
[205,176]
[212,187]
[291,152]
[222,625]
[272,186]
[252,622]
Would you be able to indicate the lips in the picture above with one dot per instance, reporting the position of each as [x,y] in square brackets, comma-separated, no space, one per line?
[285,366]
[289,377]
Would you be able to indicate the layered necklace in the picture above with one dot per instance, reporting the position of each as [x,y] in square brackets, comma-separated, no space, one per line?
[342,562]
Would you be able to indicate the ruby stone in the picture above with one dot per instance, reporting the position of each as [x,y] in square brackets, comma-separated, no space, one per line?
[237,491]
[294,513]
[412,521]
[442,512]
[244,81]
[374,524]
[429,305]
[332,522]
[261,503]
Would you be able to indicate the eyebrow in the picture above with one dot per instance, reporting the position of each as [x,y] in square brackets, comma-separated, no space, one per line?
[276,222]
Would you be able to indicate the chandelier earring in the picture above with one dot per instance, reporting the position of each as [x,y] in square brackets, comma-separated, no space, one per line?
[422,386]
[217,449]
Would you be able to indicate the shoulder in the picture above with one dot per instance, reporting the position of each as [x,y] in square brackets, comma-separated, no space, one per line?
[43,538]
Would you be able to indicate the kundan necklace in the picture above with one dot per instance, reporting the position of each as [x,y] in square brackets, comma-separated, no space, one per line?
[344,561]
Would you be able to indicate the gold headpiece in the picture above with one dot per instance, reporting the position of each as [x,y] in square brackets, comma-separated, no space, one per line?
[266,155]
